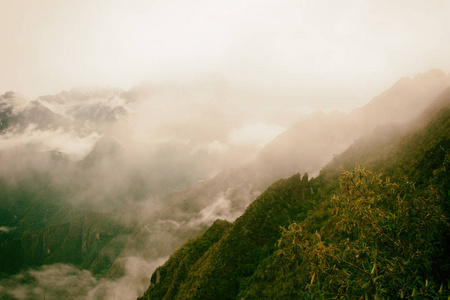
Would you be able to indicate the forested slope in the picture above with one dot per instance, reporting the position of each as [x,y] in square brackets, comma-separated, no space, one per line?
[374,222]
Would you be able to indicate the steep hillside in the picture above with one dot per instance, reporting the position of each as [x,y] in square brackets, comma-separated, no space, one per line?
[390,241]
[177,267]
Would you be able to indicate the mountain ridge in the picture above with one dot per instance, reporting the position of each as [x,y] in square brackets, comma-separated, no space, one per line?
[221,274]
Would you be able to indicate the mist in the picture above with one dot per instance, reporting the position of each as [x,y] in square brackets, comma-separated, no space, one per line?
[49,282]
[174,133]
[107,160]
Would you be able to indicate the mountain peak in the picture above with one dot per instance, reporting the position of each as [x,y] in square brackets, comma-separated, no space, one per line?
[431,74]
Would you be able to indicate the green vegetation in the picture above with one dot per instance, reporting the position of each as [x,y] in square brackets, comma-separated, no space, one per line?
[167,278]
[382,240]
[228,261]
[91,241]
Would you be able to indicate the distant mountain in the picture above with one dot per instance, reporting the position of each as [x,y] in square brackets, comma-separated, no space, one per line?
[92,108]
[405,100]
[16,115]
[73,110]
[311,143]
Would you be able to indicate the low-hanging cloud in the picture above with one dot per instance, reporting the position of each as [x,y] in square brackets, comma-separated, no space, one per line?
[70,143]
[57,281]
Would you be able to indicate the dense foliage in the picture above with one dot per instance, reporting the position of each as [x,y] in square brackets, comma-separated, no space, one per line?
[166,280]
[381,241]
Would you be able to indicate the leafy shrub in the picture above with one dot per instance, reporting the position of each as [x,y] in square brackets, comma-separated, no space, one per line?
[382,242]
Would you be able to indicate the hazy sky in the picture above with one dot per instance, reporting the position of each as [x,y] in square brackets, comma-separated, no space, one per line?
[320,51]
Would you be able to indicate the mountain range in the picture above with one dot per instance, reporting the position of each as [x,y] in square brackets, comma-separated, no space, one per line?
[117,208]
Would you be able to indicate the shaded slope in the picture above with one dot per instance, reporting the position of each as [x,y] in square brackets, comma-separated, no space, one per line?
[165,282]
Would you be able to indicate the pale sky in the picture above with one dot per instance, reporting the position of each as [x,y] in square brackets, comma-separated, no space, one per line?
[330,52]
